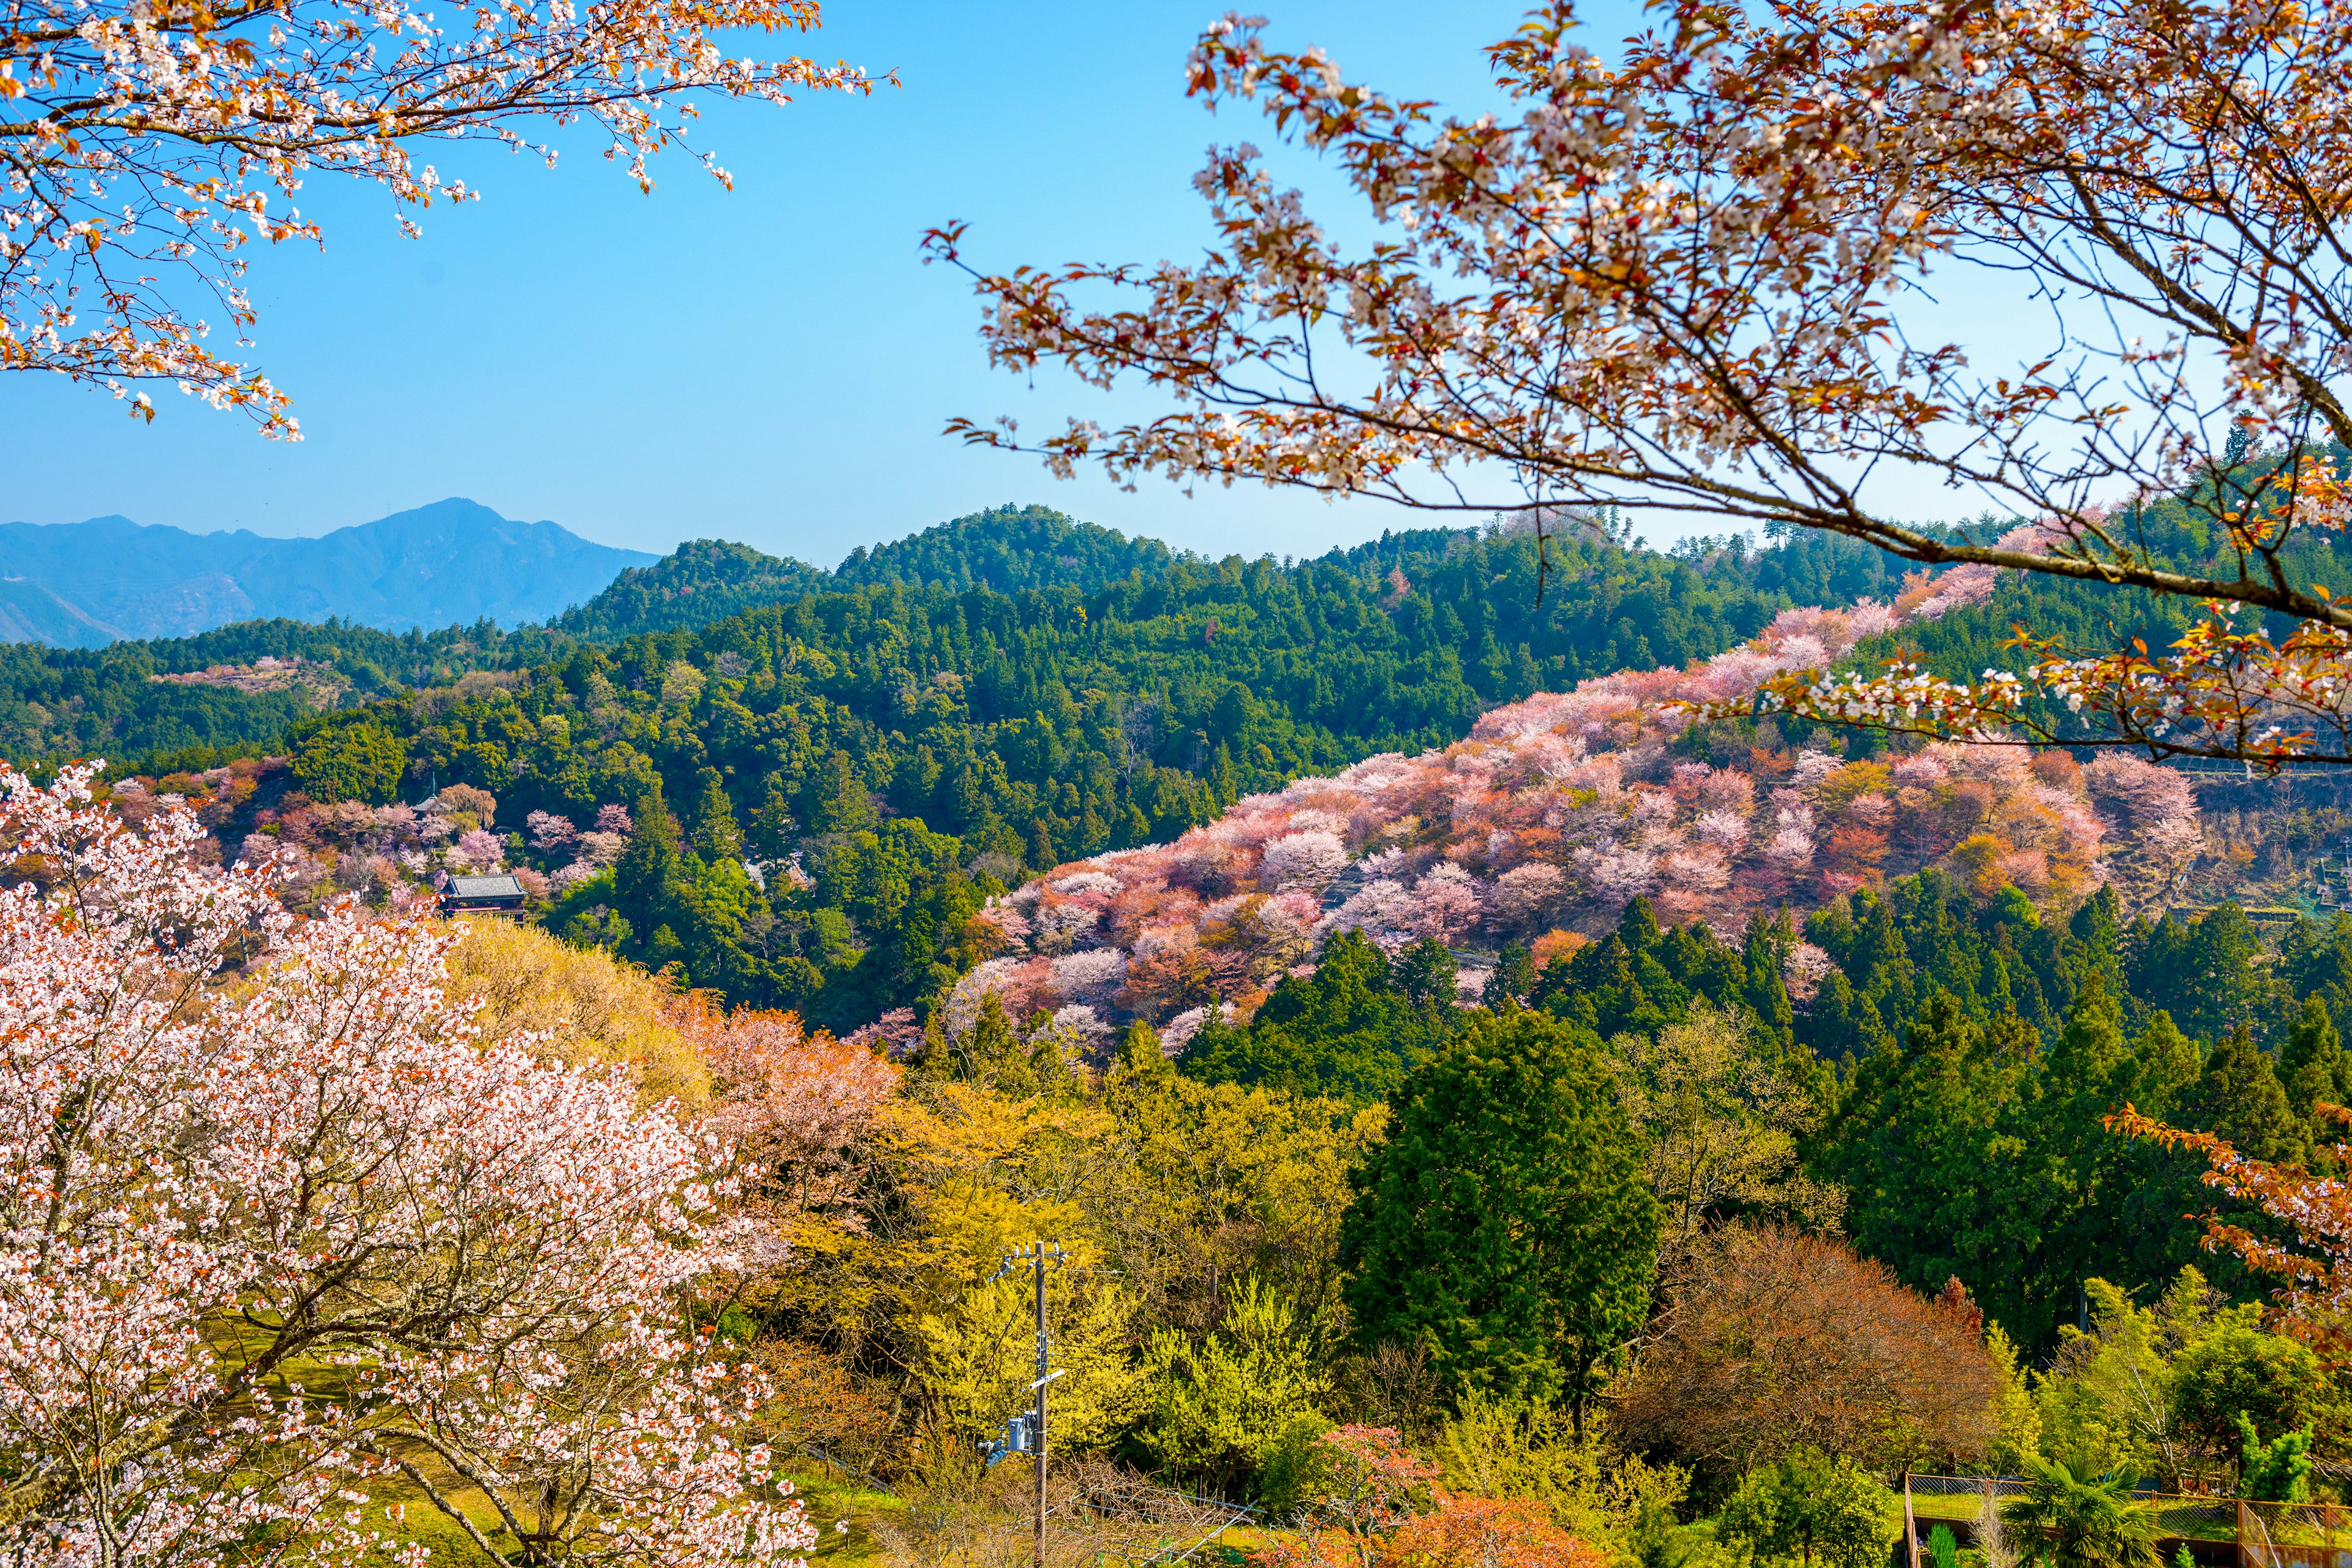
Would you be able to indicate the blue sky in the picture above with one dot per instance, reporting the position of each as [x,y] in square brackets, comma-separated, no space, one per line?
[771,365]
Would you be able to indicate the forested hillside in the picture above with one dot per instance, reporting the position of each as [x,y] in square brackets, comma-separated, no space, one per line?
[1330,872]
[1492,1047]
[1008,549]
[977,735]
[57,704]
[1956,960]
[60,703]
[94,696]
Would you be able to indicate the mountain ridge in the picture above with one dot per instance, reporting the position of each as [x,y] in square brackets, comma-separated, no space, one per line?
[1008,549]
[452,562]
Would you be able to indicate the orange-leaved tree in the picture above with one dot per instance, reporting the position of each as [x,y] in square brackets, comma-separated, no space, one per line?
[2315,1303]
[146,143]
[1774,1340]
[1382,1507]
[1693,278]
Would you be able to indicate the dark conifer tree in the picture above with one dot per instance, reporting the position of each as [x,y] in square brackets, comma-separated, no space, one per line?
[1514,977]
[2312,1067]
[715,837]
[1506,1223]
[2241,1098]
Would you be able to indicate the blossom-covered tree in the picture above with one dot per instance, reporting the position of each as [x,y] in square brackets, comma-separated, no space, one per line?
[792,1105]
[1552,817]
[552,834]
[275,1222]
[152,143]
[476,850]
[1687,275]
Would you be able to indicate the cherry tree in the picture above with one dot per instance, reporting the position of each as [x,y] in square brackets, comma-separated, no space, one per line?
[477,849]
[148,146]
[791,1104]
[1687,278]
[277,1228]
[1554,814]
[2314,1268]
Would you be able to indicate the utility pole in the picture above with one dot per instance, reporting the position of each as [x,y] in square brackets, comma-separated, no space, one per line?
[1037,1257]
[1043,1356]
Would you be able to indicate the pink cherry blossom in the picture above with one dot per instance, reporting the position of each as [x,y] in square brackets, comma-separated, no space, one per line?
[1557,811]
[476,850]
[324,1166]
[1806,967]
[1446,903]
[1302,859]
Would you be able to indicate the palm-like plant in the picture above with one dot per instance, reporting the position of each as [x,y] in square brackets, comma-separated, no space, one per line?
[2071,1521]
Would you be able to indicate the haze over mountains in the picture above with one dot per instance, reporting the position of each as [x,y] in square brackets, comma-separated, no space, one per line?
[457,562]
[86,584]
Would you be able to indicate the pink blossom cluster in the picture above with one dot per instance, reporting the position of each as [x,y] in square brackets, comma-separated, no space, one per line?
[2152,810]
[323,683]
[791,1105]
[590,850]
[324,1167]
[1551,816]
[895,1035]
[384,851]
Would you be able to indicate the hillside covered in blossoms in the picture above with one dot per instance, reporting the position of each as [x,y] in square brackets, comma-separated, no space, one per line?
[1559,811]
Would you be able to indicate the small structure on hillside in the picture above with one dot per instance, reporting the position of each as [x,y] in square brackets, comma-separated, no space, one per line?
[500,895]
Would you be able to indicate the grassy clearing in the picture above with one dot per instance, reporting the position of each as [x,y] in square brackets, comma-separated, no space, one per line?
[1943,1508]
[832,1500]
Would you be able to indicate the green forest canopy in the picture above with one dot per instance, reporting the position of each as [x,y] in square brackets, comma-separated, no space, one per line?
[920,746]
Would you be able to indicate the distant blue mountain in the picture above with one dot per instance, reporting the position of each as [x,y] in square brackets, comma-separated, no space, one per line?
[84,585]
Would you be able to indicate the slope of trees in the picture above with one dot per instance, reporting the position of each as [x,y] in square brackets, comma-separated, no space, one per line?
[62,704]
[1558,810]
[1320,1211]
[888,758]
[1629,608]
[1007,548]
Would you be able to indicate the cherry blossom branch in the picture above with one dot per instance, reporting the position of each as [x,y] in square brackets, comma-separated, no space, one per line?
[138,141]
[1680,282]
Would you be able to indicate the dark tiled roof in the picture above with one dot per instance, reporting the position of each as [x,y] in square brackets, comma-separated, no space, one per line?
[483,888]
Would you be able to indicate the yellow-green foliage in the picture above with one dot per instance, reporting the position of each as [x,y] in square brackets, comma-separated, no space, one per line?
[2104,1405]
[1219,1407]
[1167,1195]
[2017,1419]
[979,1175]
[1202,1183]
[2159,1389]
[978,1355]
[1620,1502]
[591,1008]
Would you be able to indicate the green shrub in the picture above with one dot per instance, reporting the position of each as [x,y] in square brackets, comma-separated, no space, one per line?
[1809,1507]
